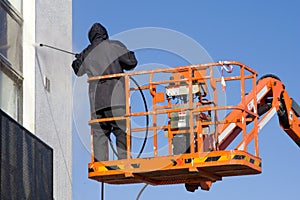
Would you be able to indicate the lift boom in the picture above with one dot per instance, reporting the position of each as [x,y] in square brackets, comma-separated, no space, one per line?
[272,98]
[191,137]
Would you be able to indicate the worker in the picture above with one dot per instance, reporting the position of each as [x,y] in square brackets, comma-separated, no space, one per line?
[107,96]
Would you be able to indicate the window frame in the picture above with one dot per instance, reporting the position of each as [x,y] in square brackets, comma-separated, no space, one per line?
[5,65]
[12,11]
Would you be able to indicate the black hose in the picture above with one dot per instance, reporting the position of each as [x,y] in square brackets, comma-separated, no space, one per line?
[141,191]
[147,123]
[102,191]
[112,147]
[144,143]
[147,116]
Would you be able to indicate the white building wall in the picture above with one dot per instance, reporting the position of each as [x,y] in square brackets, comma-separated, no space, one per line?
[29,65]
[48,114]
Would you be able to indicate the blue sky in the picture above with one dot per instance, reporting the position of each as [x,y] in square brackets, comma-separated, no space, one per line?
[262,34]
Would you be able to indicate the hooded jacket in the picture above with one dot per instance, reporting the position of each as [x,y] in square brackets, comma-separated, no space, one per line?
[103,57]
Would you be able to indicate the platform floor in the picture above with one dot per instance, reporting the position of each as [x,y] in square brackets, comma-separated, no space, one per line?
[185,168]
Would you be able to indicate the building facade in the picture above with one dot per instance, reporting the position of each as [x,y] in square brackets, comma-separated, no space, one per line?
[36,82]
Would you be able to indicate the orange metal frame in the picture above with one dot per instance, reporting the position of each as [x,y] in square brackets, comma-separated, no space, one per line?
[206,161]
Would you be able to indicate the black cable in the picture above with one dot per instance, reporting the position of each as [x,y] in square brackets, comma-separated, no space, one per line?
[53,120]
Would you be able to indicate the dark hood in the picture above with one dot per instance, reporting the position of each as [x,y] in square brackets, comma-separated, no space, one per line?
[97,31]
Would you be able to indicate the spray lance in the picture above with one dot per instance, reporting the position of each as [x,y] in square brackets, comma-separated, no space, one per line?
[58,49]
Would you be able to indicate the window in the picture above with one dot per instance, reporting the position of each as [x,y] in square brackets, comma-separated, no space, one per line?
[11,59]
[17,4]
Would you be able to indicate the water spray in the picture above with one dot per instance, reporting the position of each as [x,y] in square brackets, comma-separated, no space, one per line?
[58,49]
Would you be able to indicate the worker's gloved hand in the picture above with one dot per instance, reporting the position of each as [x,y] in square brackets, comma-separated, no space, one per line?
[77,55]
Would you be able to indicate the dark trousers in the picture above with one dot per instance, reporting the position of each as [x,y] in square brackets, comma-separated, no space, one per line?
[101,134]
